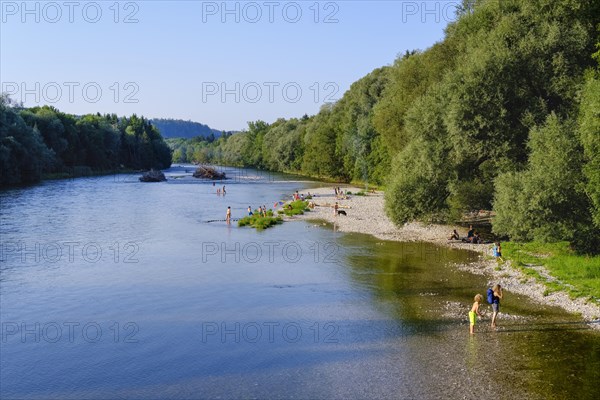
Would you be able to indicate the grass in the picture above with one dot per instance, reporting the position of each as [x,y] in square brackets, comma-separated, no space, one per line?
[259,222]
[297,207]
[577,275]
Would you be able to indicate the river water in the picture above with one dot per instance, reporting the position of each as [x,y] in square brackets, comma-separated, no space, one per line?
[111,288]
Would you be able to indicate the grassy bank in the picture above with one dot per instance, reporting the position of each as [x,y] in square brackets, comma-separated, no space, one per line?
[575,274]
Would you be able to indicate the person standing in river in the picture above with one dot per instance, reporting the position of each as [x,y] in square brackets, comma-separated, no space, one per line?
[228,215]
[497,296]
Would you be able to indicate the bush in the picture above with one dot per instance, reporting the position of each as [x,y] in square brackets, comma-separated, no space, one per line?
[587,241]
[544,202]
[421,189]
[297,207]
[466,196]
[259,222]
[589,132]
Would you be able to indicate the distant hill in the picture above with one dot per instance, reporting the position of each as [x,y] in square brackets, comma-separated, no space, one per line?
[177,128]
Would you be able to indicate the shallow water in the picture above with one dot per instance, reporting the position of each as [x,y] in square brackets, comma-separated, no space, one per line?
[121,289]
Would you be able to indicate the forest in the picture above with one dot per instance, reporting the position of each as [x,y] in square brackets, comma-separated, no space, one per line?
[177,128]
[44,142]
[502,114]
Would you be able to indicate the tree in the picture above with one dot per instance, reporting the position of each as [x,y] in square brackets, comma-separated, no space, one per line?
[544,202]
[23,153]
[589,131]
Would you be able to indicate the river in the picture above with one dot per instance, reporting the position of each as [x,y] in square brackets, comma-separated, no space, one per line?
[112,288]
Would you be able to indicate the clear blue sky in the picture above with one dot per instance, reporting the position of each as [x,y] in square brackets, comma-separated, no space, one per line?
[178,56]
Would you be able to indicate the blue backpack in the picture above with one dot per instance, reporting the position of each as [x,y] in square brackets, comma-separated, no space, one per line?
[490,296]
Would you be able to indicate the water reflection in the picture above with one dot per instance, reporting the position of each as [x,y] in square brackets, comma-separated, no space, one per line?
[377,319]
[540,350]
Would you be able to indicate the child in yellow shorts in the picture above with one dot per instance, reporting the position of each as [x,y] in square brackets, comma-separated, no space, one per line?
[474,313]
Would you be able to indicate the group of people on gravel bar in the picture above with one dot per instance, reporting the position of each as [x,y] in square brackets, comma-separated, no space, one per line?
[472,236]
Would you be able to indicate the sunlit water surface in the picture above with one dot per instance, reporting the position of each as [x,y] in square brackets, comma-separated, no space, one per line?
[112,288]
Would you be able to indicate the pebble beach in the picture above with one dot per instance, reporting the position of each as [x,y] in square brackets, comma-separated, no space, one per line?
[366,214]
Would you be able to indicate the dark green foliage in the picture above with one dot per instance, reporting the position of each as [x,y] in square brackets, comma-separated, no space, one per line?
[283,145]
[499,114]
[260,222]
[176,128]
[502,113]
[488,115]
[587,240]
[419,191]
[544,202]
[43,141]
[340,142]
[410,78]
[418,185]
[589,131]
[297,207]
[23,154]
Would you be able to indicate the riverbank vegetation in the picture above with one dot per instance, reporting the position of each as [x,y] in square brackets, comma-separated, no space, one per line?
[579,276]
[260,221]
[44,142]
[501,115]
[297,207]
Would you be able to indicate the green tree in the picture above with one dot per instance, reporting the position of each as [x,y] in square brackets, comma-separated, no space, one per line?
[544,202]
[589,132]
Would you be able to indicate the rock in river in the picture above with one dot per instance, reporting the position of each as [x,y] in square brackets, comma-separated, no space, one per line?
[153,176]
[208,173]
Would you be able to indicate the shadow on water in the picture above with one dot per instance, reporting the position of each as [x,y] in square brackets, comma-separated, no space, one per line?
[398,309]
[538,351]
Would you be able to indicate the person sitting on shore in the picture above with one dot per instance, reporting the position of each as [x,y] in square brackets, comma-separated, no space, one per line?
[454,236]
[471,232]
[475,238]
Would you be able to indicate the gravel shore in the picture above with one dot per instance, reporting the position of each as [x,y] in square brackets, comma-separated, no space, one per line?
[366,214]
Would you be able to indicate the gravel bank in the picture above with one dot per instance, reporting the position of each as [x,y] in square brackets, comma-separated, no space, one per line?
[366,214]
